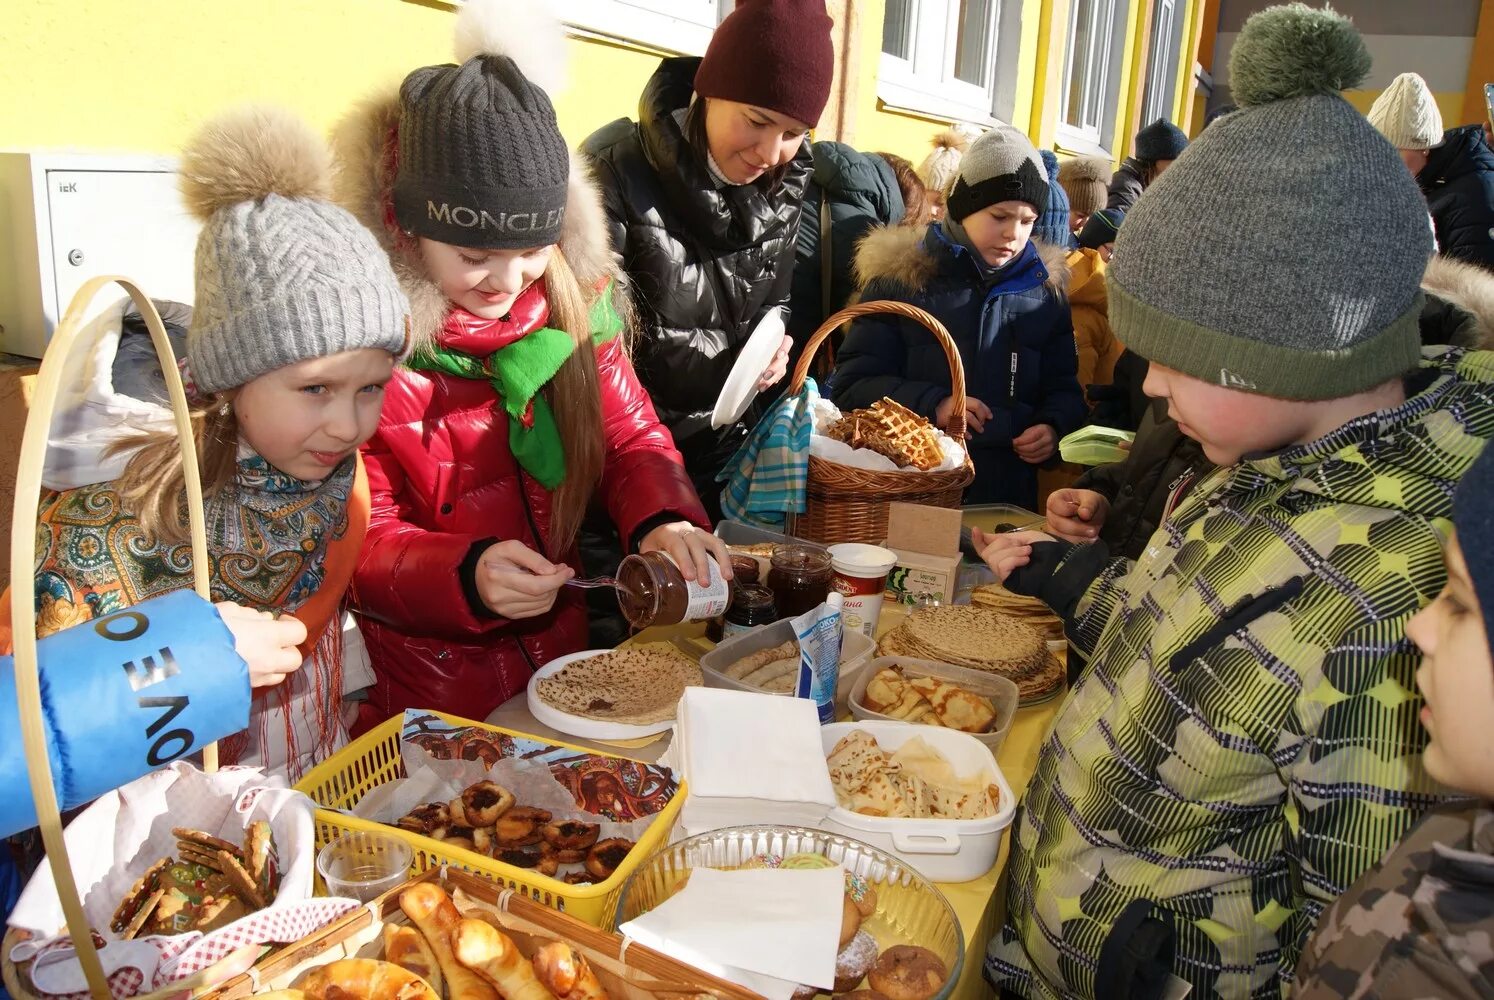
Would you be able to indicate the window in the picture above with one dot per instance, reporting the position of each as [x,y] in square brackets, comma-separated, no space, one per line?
[1162,66]
[953,58]
[1091,74]
[681,26]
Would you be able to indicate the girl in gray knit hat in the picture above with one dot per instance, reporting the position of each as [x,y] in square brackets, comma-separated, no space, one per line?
[297,327]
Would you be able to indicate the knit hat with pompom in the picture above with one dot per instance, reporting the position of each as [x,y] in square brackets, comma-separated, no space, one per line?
[282,275]
[1245,263]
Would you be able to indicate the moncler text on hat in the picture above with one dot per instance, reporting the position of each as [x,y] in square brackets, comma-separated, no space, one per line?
[508,222]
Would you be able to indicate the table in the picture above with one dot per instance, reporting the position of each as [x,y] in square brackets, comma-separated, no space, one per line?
[974,902]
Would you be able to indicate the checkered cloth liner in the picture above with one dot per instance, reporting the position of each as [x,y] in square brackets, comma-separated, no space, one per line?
[769,474]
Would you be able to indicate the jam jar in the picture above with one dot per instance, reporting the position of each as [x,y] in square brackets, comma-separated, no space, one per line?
[651,590]
[751,606]
[799,578]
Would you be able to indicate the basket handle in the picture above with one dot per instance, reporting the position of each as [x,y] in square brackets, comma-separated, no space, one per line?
[23,567]
[956,426]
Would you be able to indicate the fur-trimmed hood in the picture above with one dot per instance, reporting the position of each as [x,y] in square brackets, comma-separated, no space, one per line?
[365,144]
[1470,288]
[900,254]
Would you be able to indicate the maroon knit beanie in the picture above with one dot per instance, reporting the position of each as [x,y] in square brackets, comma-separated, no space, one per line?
[774,54]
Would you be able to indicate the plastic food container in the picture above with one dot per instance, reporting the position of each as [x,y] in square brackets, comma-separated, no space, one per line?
[942,850]
[856,651]
[363,865]
[1002,692]
[1094,445]
[909,909]
[861,576]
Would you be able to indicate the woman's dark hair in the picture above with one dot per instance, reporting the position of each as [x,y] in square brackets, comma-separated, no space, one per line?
[695,135]
[917,205]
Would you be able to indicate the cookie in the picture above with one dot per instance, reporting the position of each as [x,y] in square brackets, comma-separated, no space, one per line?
[241,881]
[204,842]
[907,972]
[261,860]
[129,907]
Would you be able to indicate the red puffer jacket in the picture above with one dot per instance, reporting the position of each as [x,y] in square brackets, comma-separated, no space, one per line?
[442,479]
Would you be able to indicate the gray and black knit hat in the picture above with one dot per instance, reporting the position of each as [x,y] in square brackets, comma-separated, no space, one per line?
[1245,264]
[482,162]
[1000,165]
[282,274]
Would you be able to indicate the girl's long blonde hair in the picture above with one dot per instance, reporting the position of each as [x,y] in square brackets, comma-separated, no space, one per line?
[153,486]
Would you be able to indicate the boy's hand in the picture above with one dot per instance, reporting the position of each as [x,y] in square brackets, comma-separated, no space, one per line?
[976,415]
[1036,444]
[1077,515]
[1005,552]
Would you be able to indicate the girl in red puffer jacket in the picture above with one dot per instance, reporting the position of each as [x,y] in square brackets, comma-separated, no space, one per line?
[518,407]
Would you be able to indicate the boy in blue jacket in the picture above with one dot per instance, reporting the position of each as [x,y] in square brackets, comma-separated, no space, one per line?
[1002,298]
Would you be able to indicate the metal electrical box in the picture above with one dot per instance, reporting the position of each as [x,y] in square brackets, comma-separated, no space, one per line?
[65,217]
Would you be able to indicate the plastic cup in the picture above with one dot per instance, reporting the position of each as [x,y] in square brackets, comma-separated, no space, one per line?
[363,865]
[861,575]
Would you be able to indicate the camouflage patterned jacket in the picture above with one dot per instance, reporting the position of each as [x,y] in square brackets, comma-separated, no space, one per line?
[1420,924]
[1244,743]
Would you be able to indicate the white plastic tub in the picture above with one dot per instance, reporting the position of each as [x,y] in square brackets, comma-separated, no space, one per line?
[943,850]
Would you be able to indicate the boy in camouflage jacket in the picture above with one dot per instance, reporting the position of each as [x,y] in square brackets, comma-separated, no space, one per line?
[1421,923]
[1243,744]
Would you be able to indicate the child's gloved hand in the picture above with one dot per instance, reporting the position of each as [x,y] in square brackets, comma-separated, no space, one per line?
[515,581]
[267,643]
[1005,552]
[1036,444]
[1077,515]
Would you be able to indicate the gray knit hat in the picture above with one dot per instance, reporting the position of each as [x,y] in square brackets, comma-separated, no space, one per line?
[283,275]
[1000,165]
[1245,264]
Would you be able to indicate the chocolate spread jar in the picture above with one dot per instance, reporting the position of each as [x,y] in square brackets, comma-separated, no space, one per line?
[651,590]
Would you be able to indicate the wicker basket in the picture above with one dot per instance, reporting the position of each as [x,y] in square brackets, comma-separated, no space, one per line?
[22,612]
[846,504]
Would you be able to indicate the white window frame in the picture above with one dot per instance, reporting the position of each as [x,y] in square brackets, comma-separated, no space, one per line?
[926,82]
[1101,68]
[683,27]
[1160,94]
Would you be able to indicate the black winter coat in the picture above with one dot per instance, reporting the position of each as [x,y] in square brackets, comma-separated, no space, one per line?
[1015,338]
[1126,185]
[1458,182]
[705,263]
[862,193]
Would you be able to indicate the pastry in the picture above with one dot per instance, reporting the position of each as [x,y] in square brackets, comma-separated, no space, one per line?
[564,972]
[754,661]
[854,961]
[915,782]
[893,430]
[579,878]
[571,835]
[407,948]
[862,995]
[635,685]
[365,978]
[604,857]
[850,921]
[431,819]
[436,916]
[907,972]
[492,954]
[520,827]
[481,804]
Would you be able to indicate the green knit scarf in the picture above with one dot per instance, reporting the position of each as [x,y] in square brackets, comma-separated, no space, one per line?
[518,372]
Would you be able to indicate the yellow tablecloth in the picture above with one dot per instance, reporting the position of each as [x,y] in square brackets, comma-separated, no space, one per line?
[974,902]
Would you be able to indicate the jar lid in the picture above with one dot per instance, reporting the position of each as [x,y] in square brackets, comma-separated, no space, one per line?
[858,560]
[796,555]
[751,596]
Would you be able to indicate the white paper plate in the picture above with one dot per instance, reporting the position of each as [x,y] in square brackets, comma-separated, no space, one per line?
[741,385]
[576,725]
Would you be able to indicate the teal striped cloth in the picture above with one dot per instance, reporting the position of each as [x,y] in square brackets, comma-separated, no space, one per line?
[768,475]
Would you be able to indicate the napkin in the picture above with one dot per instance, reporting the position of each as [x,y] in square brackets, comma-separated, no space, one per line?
[749,758]
[766,929]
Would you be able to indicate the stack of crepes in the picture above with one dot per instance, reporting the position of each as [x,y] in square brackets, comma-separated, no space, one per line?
[979,638]
[1028,610]
[891,429]
[915,782]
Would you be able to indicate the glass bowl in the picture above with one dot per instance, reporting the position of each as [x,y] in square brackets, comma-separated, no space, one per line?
[910,910]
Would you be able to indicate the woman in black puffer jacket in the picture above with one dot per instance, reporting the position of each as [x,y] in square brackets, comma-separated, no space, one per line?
[704,194]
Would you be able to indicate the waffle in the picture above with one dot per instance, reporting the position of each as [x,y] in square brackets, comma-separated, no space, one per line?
[893,430]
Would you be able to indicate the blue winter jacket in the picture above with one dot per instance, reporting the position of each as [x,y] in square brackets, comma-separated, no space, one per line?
[1015,339]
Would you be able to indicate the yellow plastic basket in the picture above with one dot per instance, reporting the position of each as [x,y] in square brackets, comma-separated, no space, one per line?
[343,779]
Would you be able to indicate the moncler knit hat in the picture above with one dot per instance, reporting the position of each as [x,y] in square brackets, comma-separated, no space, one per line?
[1053,225]
[282,274]
[1161,140]
[1245,263]
[1473,517]
[482,163]
[1406,113]
[1102,227]
[1001,165]
[775,54]
[1085,180]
